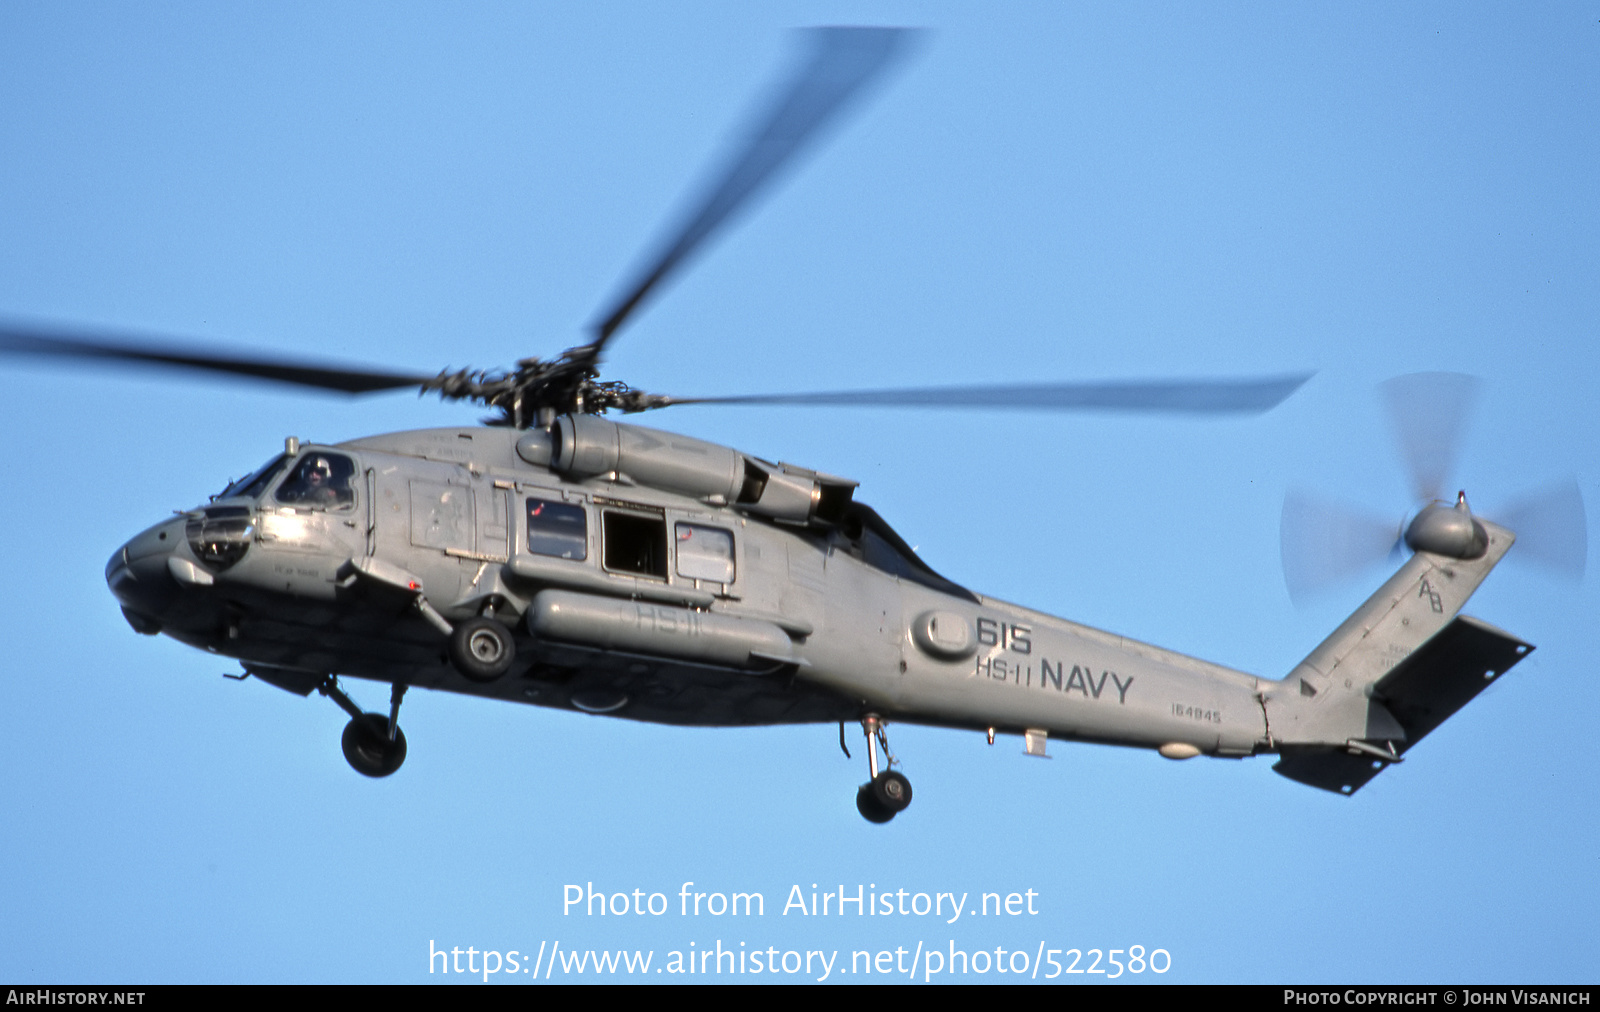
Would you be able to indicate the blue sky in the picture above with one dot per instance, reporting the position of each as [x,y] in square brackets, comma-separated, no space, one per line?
[1045,192]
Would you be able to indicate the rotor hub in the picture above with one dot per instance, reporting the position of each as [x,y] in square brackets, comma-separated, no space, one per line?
[1450,531]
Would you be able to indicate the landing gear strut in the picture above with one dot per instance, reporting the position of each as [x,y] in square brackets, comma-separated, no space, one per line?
[373,744]
[888,793]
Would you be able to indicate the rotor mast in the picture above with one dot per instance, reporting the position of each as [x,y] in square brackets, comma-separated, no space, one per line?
[569,384]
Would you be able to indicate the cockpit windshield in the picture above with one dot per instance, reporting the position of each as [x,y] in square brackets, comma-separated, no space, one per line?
[256,482]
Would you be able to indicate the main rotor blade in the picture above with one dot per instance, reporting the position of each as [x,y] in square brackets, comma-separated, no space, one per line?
[1429,412]
[1552,529]
[1324,543]
[839,64]
[25,340]
[1201,397]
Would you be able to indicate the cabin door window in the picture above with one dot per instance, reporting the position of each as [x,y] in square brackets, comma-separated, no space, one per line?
[705,553]
[558,529]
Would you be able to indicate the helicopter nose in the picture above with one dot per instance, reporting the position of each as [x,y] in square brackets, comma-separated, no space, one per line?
[140,577]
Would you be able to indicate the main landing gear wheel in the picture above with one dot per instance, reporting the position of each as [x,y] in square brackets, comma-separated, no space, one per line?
[367,746]
[482,649]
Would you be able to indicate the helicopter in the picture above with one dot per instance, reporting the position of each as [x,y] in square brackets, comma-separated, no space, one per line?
[558,558]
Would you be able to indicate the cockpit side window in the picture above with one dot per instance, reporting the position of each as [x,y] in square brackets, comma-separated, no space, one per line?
[320,480]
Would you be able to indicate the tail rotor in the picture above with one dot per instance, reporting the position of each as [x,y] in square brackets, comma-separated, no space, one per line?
[1325,543]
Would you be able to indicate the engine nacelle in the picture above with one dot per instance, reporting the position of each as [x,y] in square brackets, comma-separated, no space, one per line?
[586,445]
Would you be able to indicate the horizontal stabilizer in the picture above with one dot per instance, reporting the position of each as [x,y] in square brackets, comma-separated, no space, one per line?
[1439,678]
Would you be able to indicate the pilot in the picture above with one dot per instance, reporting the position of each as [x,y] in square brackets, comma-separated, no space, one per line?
[313,484]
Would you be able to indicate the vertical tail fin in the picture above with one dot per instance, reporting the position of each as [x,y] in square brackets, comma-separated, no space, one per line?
[1392,672]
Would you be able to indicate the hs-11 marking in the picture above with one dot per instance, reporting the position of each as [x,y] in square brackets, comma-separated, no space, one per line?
[1080,678]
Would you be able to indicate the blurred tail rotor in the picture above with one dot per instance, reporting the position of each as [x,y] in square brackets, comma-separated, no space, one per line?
[1429,413]
[1325,543]
[1552,528]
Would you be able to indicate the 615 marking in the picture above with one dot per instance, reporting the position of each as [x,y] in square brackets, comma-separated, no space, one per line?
[994,633]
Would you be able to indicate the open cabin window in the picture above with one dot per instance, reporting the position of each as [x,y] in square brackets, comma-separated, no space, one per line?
[558,529]
[705,553]
[635,543]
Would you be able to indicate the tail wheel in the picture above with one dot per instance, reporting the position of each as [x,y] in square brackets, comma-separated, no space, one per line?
[892,791]
[870,807]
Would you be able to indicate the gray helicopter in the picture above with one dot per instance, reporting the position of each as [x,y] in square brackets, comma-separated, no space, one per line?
[560,558]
